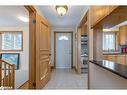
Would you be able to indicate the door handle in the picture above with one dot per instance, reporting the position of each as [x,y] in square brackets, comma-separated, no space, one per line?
[50,54]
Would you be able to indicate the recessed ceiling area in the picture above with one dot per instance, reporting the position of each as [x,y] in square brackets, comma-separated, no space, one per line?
[9,16]
[116,28]
[71,18]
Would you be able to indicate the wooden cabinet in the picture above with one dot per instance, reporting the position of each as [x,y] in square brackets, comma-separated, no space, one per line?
[121,59]
[105,57]
[111,8]
[97,13]
[123,35]
[112,58]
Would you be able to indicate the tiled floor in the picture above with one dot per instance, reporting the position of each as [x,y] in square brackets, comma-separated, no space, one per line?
[66,79]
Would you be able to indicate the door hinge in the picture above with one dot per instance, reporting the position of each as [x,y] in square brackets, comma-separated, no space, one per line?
[34,84]
[34,21]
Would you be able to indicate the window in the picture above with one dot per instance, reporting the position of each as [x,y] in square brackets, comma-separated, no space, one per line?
[108,41]
[11,40]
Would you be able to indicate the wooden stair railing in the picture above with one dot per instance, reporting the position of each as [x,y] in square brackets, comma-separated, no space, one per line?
[7,75]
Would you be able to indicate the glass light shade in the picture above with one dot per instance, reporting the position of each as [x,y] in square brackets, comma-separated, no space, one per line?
[61,10]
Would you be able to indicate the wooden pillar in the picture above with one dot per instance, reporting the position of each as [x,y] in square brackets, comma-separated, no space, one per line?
[98,44]
[79,51]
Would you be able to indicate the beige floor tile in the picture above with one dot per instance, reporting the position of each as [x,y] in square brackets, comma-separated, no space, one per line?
[66,79]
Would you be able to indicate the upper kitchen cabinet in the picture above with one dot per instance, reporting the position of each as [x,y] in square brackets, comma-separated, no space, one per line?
[123,35]
[111,8]
[97,13]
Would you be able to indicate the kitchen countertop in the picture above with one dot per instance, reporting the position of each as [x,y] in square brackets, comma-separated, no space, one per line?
[115,68]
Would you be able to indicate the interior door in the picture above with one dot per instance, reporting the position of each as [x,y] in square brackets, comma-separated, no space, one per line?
[63,50]
[42,52]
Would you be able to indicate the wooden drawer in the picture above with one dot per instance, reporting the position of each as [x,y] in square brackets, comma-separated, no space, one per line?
[112,58]
[121,59]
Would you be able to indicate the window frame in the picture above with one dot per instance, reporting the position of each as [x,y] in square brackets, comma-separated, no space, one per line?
[10,49]
[111,32]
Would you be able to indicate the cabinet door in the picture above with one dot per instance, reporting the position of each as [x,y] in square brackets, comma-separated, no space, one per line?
[111,8]
[112,58]
[123,35]
[98,13]
[126,60]
[105,57]
[121,59]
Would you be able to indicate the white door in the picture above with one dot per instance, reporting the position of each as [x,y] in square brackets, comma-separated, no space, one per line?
[63,50]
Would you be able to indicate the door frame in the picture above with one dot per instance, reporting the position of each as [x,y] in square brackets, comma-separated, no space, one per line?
[55,32]
[32,49]
[86,20]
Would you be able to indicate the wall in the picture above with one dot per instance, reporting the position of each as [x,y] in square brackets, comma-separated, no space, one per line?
[24,55]
[65,29]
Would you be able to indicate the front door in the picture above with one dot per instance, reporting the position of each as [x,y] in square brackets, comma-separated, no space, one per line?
[42,52]
[63,50]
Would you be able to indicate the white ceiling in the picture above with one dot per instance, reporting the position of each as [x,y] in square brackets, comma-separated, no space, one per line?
[9,16]
[71,18]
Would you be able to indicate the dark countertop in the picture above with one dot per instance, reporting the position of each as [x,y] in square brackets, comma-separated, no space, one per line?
[116,68]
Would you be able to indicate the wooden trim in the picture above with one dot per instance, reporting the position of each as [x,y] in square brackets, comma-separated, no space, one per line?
[71,47]
[88,48]
[32,53]
[54,49]
[75,69]
[79,51]
[13,50]
[72,50]
[25,85]
[30,8]
[84,20]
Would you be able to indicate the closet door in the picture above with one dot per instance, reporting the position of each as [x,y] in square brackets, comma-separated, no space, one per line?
[42,52]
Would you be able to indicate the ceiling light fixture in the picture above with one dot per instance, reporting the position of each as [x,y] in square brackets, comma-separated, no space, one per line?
[61,9]
[24,19]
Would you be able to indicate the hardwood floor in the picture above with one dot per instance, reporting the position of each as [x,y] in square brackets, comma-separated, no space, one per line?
[66,79]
